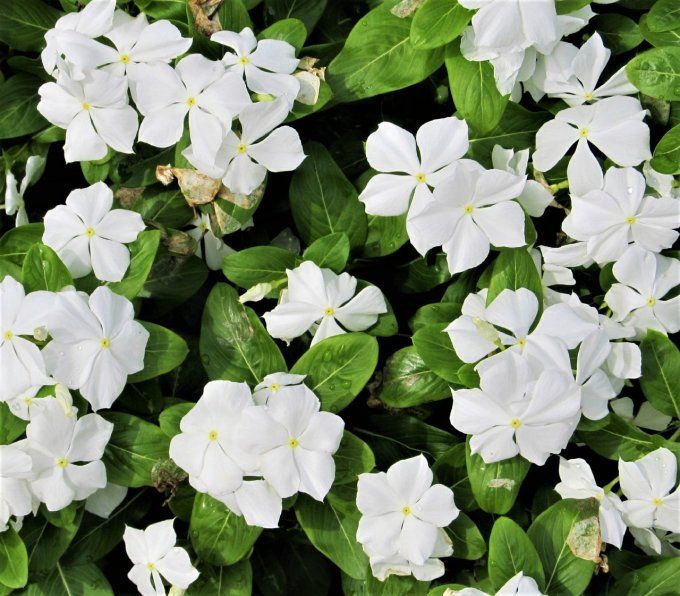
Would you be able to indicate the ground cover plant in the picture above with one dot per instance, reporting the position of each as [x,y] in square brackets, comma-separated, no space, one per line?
[339,297]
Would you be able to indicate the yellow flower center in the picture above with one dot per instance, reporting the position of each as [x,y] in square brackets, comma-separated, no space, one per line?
[191,102]
[329,311]
[587,96]
[28,400]
[406,510]
[89,232]
[274,387]
[630,220]
[522,342]
[515,423]
[125,59]
[151,566]
[469,208]
[8,335]
[86,106]
[583,132]
[657,502]
[105,342]
[293,443]
[212,435]
[651,301]
[420,177]
[62,462]
[241,148]
[243,60]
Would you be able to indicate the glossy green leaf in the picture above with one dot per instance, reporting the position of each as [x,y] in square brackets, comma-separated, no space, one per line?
[511,551]
[656,72]
[330,252]
[164,352]
[437,22]
[44,270]
[13,559]
[24,24]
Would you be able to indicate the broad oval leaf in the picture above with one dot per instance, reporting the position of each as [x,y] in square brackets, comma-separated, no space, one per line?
[511,551]
[44,270]
[13,559]
[656,72]
[660,379]
[164,352]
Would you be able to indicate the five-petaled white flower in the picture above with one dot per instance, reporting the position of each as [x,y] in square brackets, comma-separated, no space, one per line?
[295,443]
[318,299]
[15,471]
[155,556]
[471,209]
[209,246]
[513,412]
[577,482]
[196,86]
[403,516]
[638,299]
[243,161]
[614,125]
[14,194]
[66,453]
[96,344]
[409,166]
[94,111]
[267,64]
[90,236]
[648,487]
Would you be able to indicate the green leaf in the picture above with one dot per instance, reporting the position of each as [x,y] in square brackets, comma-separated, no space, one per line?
[24,24]
[18,111]
[619,33]
[15,244]
[567,539]
[79,580]
[323,201]
[7,267]
[434,347]
[46,543]
[331,527]
[379,57]
[174,10]
[292,31]
[338,368]
[13,559]
[450,469]
[234,580]
[434,314]
[511,551]
[308,11]
[408,382]
[234,345]
[394,585]
[514,268]
[666,158]
[233,15]
[659,579]
[11,426]
[166,207]
[169,418]
[164,352]
[437,22]
[656,72]
[135,447]
[664,16]
[659,38]
[142,255]
[352,458]
[218,535]
[258,264]
[330,251]
[660,379]
[385,235]
[468,542]
[173,280]
[43,270]
[235,210]
[495,486]
[474,91]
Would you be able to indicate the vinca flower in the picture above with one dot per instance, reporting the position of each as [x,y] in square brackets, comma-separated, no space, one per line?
[410,166]
[577,482]
[15,495]
[267,64]
[277,384]
[96,344]
[14,195]
[242,162]
[295,443]
[517,585]
[614,125]
[403,514]
[513,412]
[210,246]
[611,219]
[66,453]
[319,300]
[155,557]
[94,111]
[89,236]
[637,300]
[196,87]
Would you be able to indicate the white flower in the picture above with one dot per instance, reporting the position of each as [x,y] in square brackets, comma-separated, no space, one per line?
[609,220]
[295,443]
[242,162]
[614,125]
[94,111]
[663,184]
[275,385]
[637,300]
[577,482]
[535,197]
[21,363]
[213,248]
[155,556]
[409,164]
[96,344]
[518,585]
[470,210]
[647,417]
[196,86]
[514,412]
[318,299]
[648,486]
[90,236]
[572,73]
[15,495]
[93,21]
[14,195]
[267,65]
[402,515]
[25,404]
[551,275]
[103,501]
[66,454]
[657,542]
